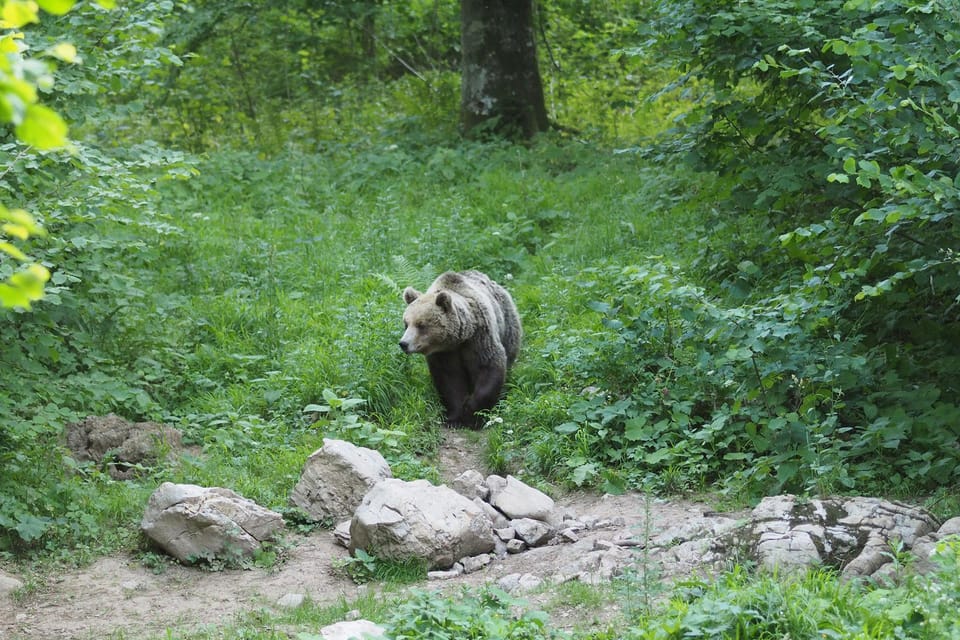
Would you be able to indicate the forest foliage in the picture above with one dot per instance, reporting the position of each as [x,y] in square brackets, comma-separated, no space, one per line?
[735,258]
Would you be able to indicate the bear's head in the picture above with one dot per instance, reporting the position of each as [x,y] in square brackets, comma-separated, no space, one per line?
[432,322]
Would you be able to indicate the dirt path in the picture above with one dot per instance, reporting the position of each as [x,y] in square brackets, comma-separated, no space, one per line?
[119,593]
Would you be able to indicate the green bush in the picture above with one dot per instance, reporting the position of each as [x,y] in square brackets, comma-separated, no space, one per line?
[485,614]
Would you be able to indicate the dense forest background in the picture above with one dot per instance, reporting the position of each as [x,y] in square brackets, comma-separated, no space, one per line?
[734,251]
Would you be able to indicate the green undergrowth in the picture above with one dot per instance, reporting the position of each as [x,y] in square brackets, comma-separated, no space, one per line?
[254,303]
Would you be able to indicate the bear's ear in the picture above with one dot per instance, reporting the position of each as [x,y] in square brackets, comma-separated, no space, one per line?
[444,301]
[410,294]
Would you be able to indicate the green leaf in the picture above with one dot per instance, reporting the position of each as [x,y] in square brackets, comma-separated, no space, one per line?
[657,456]
[42,128]
[567,428]
[29,528]
[635,428]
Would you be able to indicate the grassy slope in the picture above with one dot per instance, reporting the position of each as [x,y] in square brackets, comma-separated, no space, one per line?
[286,279]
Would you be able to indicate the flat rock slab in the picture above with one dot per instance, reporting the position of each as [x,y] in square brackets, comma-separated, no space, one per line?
[852,534]
[193,523]
[519,500]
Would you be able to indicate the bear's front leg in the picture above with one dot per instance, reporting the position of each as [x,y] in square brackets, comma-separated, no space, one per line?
[487,384]
[450,380]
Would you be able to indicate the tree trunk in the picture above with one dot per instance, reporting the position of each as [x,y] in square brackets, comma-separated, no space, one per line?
[500,91]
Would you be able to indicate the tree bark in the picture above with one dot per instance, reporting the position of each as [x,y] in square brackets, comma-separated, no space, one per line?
[501,91]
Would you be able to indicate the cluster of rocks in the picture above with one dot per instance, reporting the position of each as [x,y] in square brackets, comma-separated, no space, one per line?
[466,526]
[860,536]
[456,529]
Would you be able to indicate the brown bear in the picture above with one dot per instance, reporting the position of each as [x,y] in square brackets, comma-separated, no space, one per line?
[468,328]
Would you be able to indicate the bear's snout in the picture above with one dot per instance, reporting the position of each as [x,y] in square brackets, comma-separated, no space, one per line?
[405,346]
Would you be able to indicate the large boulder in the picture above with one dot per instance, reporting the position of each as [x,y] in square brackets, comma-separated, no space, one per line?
[401,520]
[194,523]
[336,477]
[852,534]
[123,445]
[518,500]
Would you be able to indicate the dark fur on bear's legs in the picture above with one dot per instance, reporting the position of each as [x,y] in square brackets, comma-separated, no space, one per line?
[464,389]
[452,384]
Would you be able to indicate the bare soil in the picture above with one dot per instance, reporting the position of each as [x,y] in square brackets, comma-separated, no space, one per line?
[119,593]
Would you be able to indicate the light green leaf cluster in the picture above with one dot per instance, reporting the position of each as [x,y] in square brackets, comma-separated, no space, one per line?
[36,126]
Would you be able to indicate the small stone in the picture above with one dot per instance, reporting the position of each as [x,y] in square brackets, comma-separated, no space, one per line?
[291,600]
[341,534]
[528,582]
[568,535]
[471,484]
[533,532]
[519,500]
[506,534]
[351,630]
[516,545]
[509,582]
[353,614]
[519,582]
[131,585]
[472,564]
[444,575]
[9,584]
[603,545]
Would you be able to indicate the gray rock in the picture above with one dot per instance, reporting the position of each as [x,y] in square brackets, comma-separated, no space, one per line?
[454,572]
[191,522]
[568,535]
[471,484]
[854,534]
[499,520]
[533,532]
[518,583]
[519,500]
[415,520]
[473,564]
[595,567]
[506,533]
[341,533]
[516,546]
[353,629]
[336,477]
[925,547]
[9,585]
[291,600]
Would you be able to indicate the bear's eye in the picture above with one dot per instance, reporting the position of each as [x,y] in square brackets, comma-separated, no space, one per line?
[420,326]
